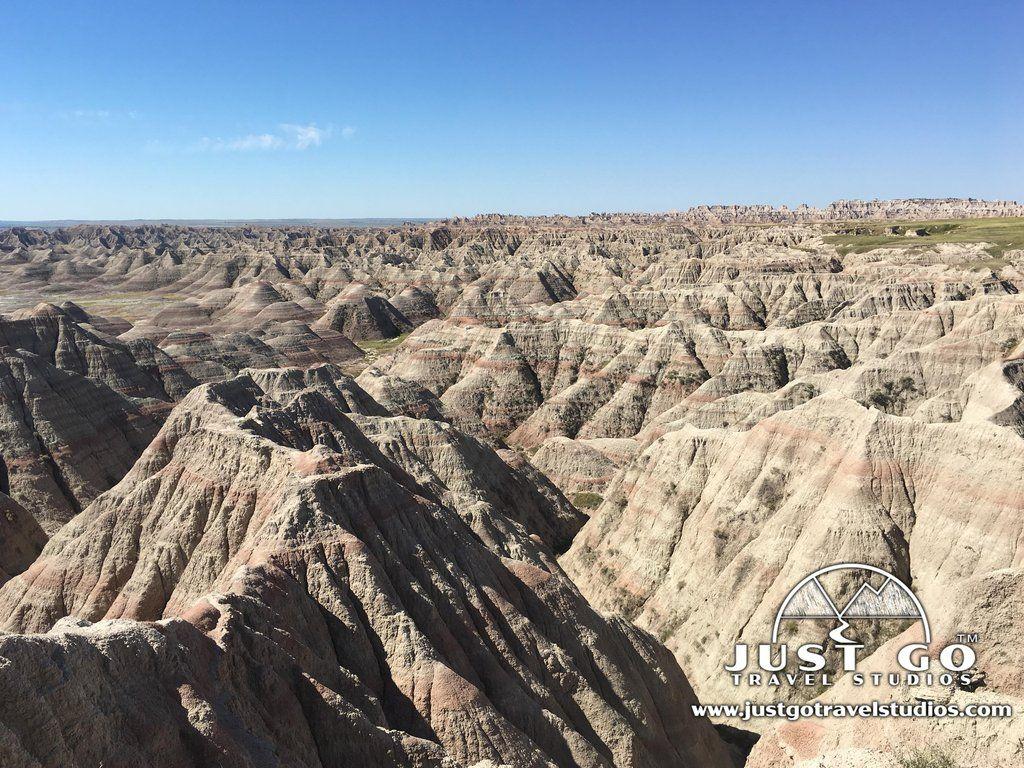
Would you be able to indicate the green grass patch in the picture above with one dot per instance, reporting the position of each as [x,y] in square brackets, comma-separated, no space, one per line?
[1004,234]
[376,347]
[929,757]
[587,500]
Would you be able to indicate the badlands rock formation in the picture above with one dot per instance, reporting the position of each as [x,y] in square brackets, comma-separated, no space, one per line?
[498,491]
[311,585]
[77,407]
[840,210]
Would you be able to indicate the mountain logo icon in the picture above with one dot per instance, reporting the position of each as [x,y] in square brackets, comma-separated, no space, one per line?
[880,596]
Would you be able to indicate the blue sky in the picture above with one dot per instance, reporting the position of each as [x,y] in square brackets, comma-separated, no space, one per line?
[337,109]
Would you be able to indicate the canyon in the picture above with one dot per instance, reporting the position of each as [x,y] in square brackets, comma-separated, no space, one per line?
[501,490]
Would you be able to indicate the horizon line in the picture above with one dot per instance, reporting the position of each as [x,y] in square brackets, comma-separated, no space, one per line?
[394,220]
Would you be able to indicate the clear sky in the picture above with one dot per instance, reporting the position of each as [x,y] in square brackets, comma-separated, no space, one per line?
[349,109]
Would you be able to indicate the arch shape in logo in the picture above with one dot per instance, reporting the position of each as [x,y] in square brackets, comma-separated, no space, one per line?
[892,600]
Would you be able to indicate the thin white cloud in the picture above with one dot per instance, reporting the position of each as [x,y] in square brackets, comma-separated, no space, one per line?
[90,114]
[288,136]
[103,116]
[97,117]
[253,142]
[306,136]
[348,132]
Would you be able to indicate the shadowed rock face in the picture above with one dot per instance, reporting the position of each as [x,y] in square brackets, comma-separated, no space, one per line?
[78,406]
[207,691]
[65,438]
[21,538]
[76,410]
[360,315]
[369,572]
[56,337]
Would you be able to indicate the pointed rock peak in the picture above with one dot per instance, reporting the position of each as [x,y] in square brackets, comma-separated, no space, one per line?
[810,601]
[889,601]
[74,311]
[505,347]
[354,292]
[46,309]
[260,290]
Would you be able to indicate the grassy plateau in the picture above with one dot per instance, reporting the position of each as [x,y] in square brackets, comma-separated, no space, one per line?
[1002,235]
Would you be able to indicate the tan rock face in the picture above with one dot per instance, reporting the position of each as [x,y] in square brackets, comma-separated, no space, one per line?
[583,466]
[704,513]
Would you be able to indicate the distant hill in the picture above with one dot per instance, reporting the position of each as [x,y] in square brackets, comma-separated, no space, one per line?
[381,222]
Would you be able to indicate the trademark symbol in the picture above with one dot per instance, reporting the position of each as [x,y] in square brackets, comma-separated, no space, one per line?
[967,637]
